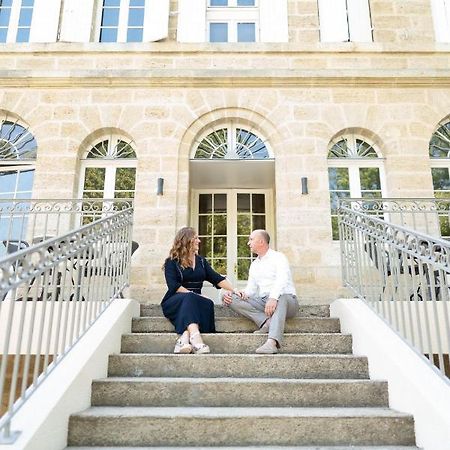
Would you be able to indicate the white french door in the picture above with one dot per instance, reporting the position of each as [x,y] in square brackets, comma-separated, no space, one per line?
[224,219]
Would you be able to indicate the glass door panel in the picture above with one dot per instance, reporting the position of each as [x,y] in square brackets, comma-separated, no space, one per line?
[212,229]
[224,221]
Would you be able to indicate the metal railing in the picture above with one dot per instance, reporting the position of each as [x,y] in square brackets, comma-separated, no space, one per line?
[403,275]
[426,215]
[50,294]
[24,222]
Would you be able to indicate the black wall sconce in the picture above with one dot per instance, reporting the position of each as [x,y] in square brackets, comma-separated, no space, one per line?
[304,185]
[160,186]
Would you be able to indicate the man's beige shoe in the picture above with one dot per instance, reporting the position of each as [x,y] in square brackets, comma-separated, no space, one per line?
[264,329]
[269,347]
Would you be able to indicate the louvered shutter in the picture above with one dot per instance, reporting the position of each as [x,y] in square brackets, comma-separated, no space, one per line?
[191,21]
[45,20]
[359,23]
[273,21]
[77,20]
[333,21]
[156,20]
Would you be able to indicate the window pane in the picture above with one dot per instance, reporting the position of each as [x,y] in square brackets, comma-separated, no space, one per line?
[110,17]
[3,33]
[441,179]
[94,179]
[246,2]
[220,247]
[243,224]
[246,32]
[135,34]
[220,224]
[108,35]
[27,2]
[111,3]
[370,179]
[205,203]
[218,32]
[125,179]
[136,17]
[243,202]
[25,180]
[25,17]
[259,222]
[220,203]
[204,225]
[258,203]
[243,268]
[8,181]
[338,178]
[23,35]
[220,266]
[4,16]
[137,2]
[205,247]
[243,249]
[219,3]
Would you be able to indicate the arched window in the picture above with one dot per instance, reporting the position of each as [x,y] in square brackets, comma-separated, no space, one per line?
[439,150]
[17,160]
[232,142]
[109,169]
[354,170]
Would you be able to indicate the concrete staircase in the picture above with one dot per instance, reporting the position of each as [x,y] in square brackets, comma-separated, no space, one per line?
[315,394]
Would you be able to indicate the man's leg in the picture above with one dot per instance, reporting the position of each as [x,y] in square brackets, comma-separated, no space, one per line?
[252,308]
[287,307]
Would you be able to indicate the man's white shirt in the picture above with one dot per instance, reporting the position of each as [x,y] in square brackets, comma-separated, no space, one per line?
[270,276]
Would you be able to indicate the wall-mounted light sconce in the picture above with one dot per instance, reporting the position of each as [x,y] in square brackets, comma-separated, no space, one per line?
[160,186]
[304,185]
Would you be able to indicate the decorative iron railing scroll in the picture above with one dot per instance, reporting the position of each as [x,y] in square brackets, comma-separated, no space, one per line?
[26,222]
[403,275]
[50,294]
[426,215]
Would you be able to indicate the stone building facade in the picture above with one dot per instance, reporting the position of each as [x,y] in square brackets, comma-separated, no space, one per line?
[312,107]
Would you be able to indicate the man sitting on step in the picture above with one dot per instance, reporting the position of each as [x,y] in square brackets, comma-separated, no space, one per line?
[269,297]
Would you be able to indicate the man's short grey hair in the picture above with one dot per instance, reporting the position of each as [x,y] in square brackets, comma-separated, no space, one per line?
[264,235]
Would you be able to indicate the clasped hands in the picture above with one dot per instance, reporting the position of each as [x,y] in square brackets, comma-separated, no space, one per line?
[271,304]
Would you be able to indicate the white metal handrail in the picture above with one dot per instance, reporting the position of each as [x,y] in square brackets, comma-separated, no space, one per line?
[50,294]
[403,275]
[24,222]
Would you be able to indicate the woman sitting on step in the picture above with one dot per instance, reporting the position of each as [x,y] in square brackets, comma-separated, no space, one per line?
[190,312]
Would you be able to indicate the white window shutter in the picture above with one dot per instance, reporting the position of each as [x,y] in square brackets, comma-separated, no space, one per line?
[273,21]
[45,20]
[156,20]
[333,21]
[359,23]
[77,20]
[191,21]
[441,19]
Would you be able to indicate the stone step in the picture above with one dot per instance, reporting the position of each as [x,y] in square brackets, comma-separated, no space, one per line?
[241,325]
[150,426]
[238,392]
[238,343]
[252,365]
[148,310]
[260,447]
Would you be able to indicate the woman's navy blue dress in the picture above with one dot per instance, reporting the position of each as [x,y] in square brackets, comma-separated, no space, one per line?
[184,308]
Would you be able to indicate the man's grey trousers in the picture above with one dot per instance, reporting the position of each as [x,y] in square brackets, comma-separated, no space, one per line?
[253,309]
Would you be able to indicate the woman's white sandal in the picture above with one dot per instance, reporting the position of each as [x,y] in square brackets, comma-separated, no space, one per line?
[182,347]
[199,348]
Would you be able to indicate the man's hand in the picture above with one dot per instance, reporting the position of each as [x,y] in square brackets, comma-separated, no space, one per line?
[227,297]
[271,306]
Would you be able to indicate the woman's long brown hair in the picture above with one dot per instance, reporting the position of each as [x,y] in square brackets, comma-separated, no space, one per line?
[182,246]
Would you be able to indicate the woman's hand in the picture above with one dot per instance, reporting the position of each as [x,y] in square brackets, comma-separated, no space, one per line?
[227,298]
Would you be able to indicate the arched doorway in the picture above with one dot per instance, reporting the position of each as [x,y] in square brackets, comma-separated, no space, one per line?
[232,180]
